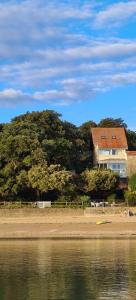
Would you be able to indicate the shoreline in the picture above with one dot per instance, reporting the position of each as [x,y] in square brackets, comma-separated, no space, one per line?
[66,227]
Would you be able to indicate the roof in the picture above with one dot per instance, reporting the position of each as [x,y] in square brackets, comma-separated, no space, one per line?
[107,138]
[131,153]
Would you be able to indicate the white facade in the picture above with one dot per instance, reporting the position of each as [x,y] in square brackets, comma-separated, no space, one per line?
[114,159]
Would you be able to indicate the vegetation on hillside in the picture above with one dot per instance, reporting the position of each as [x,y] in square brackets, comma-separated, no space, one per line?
[43,156]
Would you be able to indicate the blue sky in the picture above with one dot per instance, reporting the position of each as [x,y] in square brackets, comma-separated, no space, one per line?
[77,57]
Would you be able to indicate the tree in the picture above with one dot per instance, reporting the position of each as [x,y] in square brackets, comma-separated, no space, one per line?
[36,138]
[39,142]
[18,152]
[55,138]
[44,178]
[79,148]
[131,139]
[85,128]
[48,124]
[111,122]
[1,126]
[99,180]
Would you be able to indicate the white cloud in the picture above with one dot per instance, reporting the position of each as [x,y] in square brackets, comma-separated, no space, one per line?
[69,90]
[115,14]
[11,97]
[48,48]
[103,50]
[10,93]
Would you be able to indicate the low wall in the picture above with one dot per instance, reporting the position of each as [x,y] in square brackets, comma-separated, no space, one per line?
[40,212]
[59,212]
[108,210]
[131,164]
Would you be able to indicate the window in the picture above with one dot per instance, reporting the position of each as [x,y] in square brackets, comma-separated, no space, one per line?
[104,151]
[119,168]
[114,166]
[114,137]
[114,152]
[122,166]
[103,166]
[103,136]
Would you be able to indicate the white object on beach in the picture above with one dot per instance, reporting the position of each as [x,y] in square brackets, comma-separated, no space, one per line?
[43,204]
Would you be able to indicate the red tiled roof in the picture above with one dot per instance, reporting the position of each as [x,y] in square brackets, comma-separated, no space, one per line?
[131,153]
[107,138]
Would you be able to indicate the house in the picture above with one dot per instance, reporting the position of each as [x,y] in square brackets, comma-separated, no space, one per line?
[110,149]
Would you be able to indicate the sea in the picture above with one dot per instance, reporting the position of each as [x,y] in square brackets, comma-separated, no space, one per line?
[97,269]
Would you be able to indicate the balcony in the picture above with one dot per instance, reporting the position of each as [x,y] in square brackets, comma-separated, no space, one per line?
[119,168]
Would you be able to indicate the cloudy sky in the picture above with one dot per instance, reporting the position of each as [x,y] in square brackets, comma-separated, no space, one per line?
[77,57]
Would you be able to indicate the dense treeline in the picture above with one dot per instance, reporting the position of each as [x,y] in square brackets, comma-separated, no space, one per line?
[43,156]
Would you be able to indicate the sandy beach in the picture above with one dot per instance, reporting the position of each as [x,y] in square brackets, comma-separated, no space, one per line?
[117,226]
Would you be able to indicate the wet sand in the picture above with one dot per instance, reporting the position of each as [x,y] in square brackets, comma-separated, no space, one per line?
[117,226]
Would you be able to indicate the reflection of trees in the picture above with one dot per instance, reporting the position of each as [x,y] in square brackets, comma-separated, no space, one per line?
[14,271]
[66,269]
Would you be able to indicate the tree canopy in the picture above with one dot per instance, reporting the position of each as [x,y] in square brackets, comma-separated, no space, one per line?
[39,152]
[110,122]
[95,180]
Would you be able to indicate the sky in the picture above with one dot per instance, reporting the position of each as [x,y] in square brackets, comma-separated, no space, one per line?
[77,57]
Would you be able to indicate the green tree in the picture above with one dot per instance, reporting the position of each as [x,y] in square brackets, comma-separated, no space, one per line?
[42,139]
[18,151]
[85,130]
[111,122]
[58,139]
[48,124]
[44,178]
[131,139]
[99,180]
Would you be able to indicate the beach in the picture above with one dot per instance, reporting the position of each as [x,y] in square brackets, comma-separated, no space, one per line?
[60,225]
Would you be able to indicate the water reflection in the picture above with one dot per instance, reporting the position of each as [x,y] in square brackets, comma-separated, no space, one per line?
[70,270]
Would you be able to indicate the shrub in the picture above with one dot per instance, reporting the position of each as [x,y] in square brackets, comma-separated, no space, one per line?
[99,180]
[111,198]
[84,199]
[130,198]
[64,198]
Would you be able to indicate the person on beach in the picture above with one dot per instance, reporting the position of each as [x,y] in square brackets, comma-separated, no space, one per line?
[128,213]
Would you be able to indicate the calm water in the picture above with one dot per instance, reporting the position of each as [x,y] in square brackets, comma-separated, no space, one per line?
[70,270]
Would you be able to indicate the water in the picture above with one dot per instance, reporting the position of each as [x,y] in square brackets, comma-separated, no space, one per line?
[68,269]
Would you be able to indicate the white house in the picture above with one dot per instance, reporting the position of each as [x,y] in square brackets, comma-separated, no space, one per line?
[110,149]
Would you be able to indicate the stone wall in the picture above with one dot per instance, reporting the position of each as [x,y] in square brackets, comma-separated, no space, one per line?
[40,212]
[131,165]
[47,214]
[115,210]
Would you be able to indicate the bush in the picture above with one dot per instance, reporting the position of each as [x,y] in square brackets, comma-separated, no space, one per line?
[77,201]
[84,199]
[99,180]
[64,198]
[130,198]
[111,198]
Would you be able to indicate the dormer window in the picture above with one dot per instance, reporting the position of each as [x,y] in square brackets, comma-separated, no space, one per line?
[114,151]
